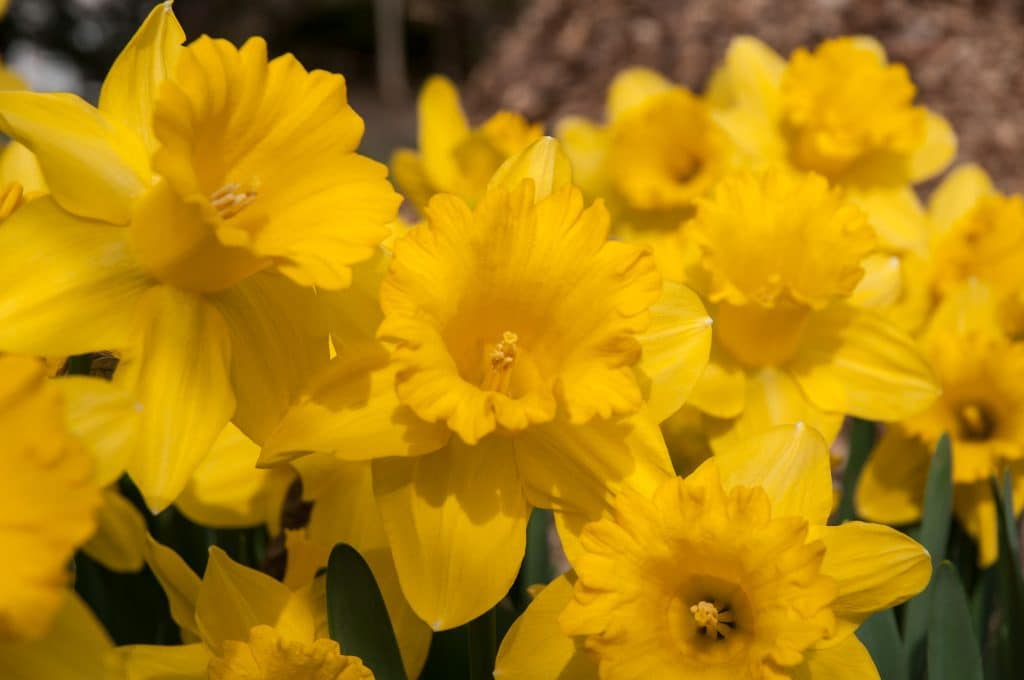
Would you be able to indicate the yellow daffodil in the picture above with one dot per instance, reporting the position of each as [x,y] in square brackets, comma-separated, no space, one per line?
[843,111]
[453,157]
[728,574]
[49,498]
[659,151]
[776,255]
[249,627]
[981,373]
[191,222]
[510,370]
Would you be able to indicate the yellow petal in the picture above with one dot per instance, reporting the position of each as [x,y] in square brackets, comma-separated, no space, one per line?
[772,398]
[586,145]
[76,648]
[456,519]
[975,508]
[849,660]
[721,390]
[120,539]
[856,362]
[345,511]
[18,164]
[882,284]
[228,490]
[578,468]
[543,161]
[171,662]
[178,372]
[632,87]
[268,315]
[442,125]
[791,463]
[895,213]
[891,485]
[178,581]
[234,598]
[937,151]
[351,408]
[94,167]
[105,419]
[129,90]
[675,349]
[410,177]
[69,285]
[354,314]
[749,78]
[957,194]
[875,566]
[535,648]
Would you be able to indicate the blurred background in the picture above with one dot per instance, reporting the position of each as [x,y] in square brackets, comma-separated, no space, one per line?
[547,58]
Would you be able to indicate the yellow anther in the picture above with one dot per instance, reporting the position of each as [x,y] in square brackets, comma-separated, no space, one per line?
[231,198]
[502,357]
[712,619]
[975,421]
[10,198]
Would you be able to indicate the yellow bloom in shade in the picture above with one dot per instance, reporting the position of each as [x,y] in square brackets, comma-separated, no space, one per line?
[249,626]
[265,656]
[49,499]
[981,373]
[522,351]
[659,151]
[843,111]
[728,573]
[776,255]
[454,157]
[195,226]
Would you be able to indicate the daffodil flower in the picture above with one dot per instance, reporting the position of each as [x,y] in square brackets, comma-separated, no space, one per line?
[981,373]
[193,216]
[453,157]
[729,573]
[248,626]
[523,352]
[659,150]
[842,111]
[776,256]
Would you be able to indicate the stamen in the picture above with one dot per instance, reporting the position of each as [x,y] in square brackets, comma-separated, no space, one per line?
[231,198]
[975,422]
[502,358]
[713,618]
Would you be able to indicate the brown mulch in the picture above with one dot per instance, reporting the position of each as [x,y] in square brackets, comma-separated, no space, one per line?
[967,57]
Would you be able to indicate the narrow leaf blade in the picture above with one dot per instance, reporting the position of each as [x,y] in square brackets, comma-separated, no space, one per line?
[357,617]
[953,652]
[881,636]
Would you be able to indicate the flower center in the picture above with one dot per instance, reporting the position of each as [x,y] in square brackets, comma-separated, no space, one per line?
[499,375]
[233,197]
[976,422]
[714,618]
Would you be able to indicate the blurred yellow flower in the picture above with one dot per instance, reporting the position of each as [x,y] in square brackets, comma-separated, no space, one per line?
[48,498]
[730,573]
[453,157]
[190,224]
[515,331]
[659,151]
[844,112]
[981,373]
[776,255]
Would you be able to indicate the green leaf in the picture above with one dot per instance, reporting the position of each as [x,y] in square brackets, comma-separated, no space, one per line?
[953,652]
[934,536]
[862,440]
[882,638]
[1011,585]
[356,616]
